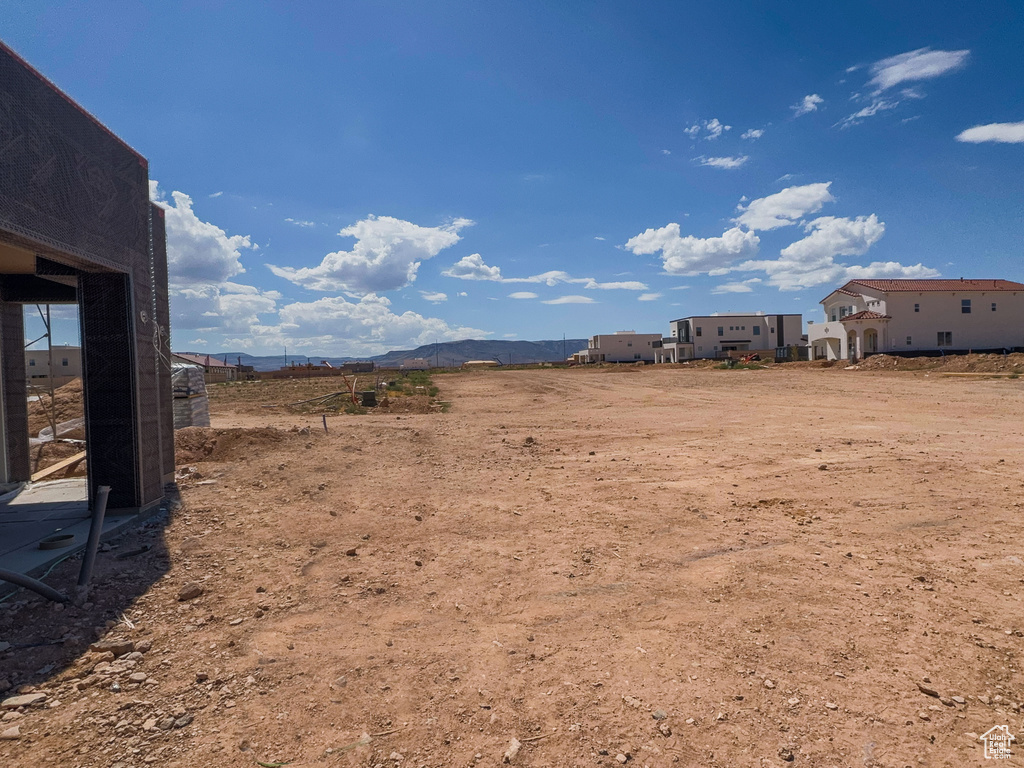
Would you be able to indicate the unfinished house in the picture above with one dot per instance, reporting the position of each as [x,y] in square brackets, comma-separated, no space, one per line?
[865,317]
[77,227]
[716,335]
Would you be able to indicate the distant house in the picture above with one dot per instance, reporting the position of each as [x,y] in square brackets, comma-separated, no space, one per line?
[214,370]
[407,364]
[67,364]
[864,317]
[716,335]
[619,347]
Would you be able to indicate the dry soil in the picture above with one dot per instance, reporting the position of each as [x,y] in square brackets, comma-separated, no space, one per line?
[661,566]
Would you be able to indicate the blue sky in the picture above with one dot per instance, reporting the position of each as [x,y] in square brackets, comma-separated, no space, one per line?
[348,178]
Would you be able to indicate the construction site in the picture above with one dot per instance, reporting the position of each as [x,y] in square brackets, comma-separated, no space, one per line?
[718,562]
[557,567]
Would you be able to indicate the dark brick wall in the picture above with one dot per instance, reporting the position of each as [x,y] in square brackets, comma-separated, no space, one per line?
[79,197]
[15,405]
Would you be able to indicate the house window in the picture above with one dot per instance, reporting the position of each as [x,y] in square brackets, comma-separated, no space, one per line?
[721,332]
[965,306]
[699,330]
[917,307]
[743,328]
[64,362]
[629,343]
[636,355]
[909,342]
[843,312]
[757,330]
[772,330]
[31,363]
[731,328]
[945,338]
[833,314]
[993,306]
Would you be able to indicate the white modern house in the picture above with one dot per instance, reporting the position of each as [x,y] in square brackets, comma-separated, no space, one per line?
[716,335]
[899,316]
[620,347]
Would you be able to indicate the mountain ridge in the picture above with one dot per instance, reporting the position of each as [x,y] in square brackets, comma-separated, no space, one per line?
[442,354]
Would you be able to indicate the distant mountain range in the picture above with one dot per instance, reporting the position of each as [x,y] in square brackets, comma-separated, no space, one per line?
[443,354]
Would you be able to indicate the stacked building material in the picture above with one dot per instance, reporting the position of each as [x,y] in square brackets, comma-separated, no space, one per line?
[191,405]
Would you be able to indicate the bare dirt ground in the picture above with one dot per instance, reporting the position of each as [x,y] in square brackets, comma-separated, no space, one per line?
[654,566]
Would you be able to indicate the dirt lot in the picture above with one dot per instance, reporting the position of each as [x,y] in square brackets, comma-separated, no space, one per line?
[656,566]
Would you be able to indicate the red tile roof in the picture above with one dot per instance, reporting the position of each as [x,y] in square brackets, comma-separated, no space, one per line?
[867,314]
[207,360]
[893,286]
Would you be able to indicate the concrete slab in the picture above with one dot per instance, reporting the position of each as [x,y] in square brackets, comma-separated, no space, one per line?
[40,510]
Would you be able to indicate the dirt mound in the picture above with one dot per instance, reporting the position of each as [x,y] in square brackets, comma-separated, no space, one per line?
[971,363]
[207,444]
[67,401]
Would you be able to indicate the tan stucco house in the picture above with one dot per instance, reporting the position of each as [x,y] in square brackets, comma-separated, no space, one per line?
[864,317]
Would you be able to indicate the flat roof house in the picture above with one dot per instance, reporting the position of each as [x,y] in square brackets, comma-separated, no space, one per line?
[716,335]
[620,347]
[865,317]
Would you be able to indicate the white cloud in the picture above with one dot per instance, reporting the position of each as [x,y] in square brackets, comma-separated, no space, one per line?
[523,295]
[201,259]
[197,251]
[199,341]
[785,207]
[872,109]
[386,256]
[714,129]
[922,64]
[621,285]
[752,133]
[666,151]
[745,286]
[723,162]
[434,297]
[648,297]
[332,325]
[831,236]
[473,268]
[598,237]
[570,300]
[692,255]
[300,222]
[811,261]
[215,194]
[1003,133]
[226,307]
[809,103]
[462,293]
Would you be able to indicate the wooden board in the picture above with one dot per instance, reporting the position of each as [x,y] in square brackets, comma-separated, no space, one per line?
[69,464]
